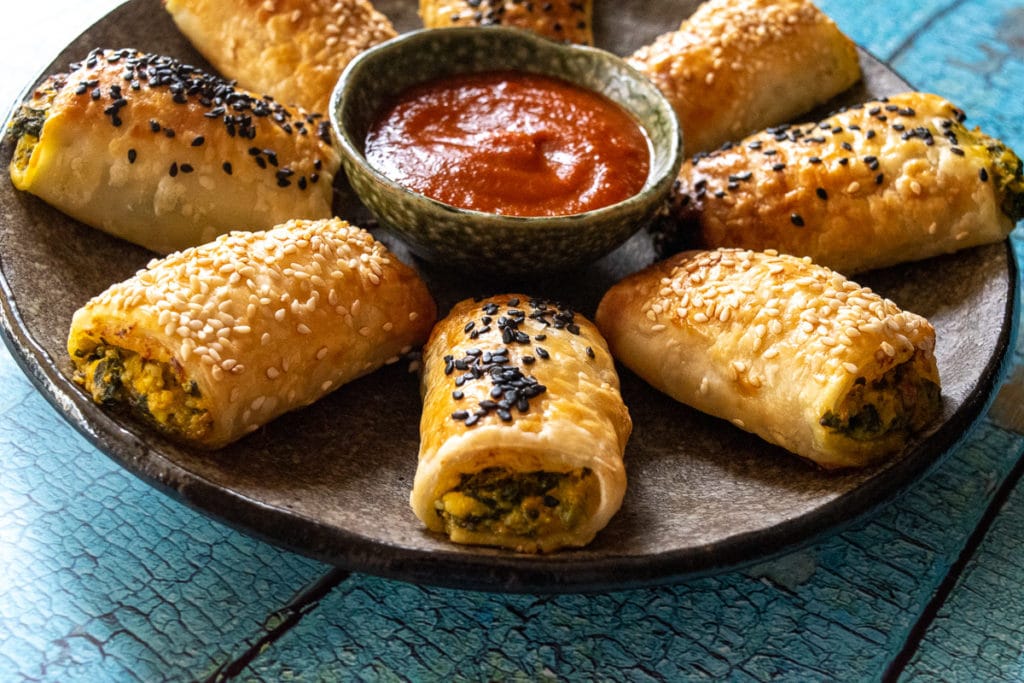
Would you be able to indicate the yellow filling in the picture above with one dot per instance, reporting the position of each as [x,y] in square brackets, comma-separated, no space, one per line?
[152,389]
[501,503]
[902,401]
[26,126]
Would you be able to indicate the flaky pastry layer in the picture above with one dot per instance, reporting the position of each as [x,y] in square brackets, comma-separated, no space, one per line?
[567,21]
[735,66]
[885,182]
[524,389]
[161,154]
[791,351]
[210,343]
[294,50]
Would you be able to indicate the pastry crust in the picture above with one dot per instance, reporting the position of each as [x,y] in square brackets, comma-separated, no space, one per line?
[780,347]
[166,156]
[735,66]
[562,20]
[889,181]
[210,343]
[526,389]
[294,50]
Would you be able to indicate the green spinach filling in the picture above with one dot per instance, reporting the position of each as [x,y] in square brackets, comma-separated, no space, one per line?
[150,388]
[522,504]
[901,401]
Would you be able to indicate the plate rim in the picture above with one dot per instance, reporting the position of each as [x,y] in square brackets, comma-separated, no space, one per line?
[497,571]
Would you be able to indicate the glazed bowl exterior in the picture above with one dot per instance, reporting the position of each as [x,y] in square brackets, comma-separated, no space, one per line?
[442,233]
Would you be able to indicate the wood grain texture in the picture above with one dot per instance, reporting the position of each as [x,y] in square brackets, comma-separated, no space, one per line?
[104,578]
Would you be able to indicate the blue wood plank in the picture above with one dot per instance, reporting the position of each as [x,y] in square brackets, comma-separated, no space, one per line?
[104,578]
[93,589]
[979,632]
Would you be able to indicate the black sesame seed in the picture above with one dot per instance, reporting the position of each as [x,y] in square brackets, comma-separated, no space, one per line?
[187,168]
[983,174]
[815,160]
[542,352]
[132,155]
[957,151]
[460,415]
[174,169]
[822,193]
[797,220]
[590,352]
[154,126]
[198,141]
[227,167]
[778,167]
[879,178]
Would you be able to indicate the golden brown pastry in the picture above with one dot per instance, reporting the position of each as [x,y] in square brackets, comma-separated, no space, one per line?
[781,347]
[294,50]
[523,427]
[890,181]
[561,20]
[210,343]
[167,156]
[735,66]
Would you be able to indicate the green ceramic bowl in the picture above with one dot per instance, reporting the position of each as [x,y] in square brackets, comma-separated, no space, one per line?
[442,233]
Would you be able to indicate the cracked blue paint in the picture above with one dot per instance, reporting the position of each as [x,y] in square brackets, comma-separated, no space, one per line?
[105,578]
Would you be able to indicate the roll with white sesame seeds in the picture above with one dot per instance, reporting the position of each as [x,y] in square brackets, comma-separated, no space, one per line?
[294,50]
[164,155]
[735,66]
[778,346]
[568,21]
[889,181]
[523,428]
[210,343]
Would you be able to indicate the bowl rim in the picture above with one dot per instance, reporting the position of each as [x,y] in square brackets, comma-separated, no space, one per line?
[653,185]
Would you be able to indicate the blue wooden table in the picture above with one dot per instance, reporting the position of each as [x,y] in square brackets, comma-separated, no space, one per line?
[105,578]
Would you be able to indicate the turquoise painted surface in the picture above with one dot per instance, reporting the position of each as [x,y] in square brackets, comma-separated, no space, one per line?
[104,578]
[979,632]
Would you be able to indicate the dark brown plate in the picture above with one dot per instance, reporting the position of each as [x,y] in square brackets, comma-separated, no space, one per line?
[332,481]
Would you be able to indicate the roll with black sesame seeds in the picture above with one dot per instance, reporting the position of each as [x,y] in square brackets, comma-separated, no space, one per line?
[210,343]
[523,428]
[567,21]
[886,182]
[781,347]
[735,66]
[164,155]
[294,50]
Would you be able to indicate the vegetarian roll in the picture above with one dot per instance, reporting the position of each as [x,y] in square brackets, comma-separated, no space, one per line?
[781,347]
[210,343]
[562,20]
[735,66]
[166,156]
[889,181]
[294,50]
[523,427]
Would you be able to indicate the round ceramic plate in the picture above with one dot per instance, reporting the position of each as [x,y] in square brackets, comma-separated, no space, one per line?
[332,481]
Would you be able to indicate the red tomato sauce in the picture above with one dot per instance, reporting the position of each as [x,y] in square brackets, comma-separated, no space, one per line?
[510,143]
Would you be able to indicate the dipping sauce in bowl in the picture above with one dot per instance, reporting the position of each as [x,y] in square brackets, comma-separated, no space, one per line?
[510,143]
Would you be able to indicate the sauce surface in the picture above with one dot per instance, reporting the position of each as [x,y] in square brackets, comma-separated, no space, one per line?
[510,143]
